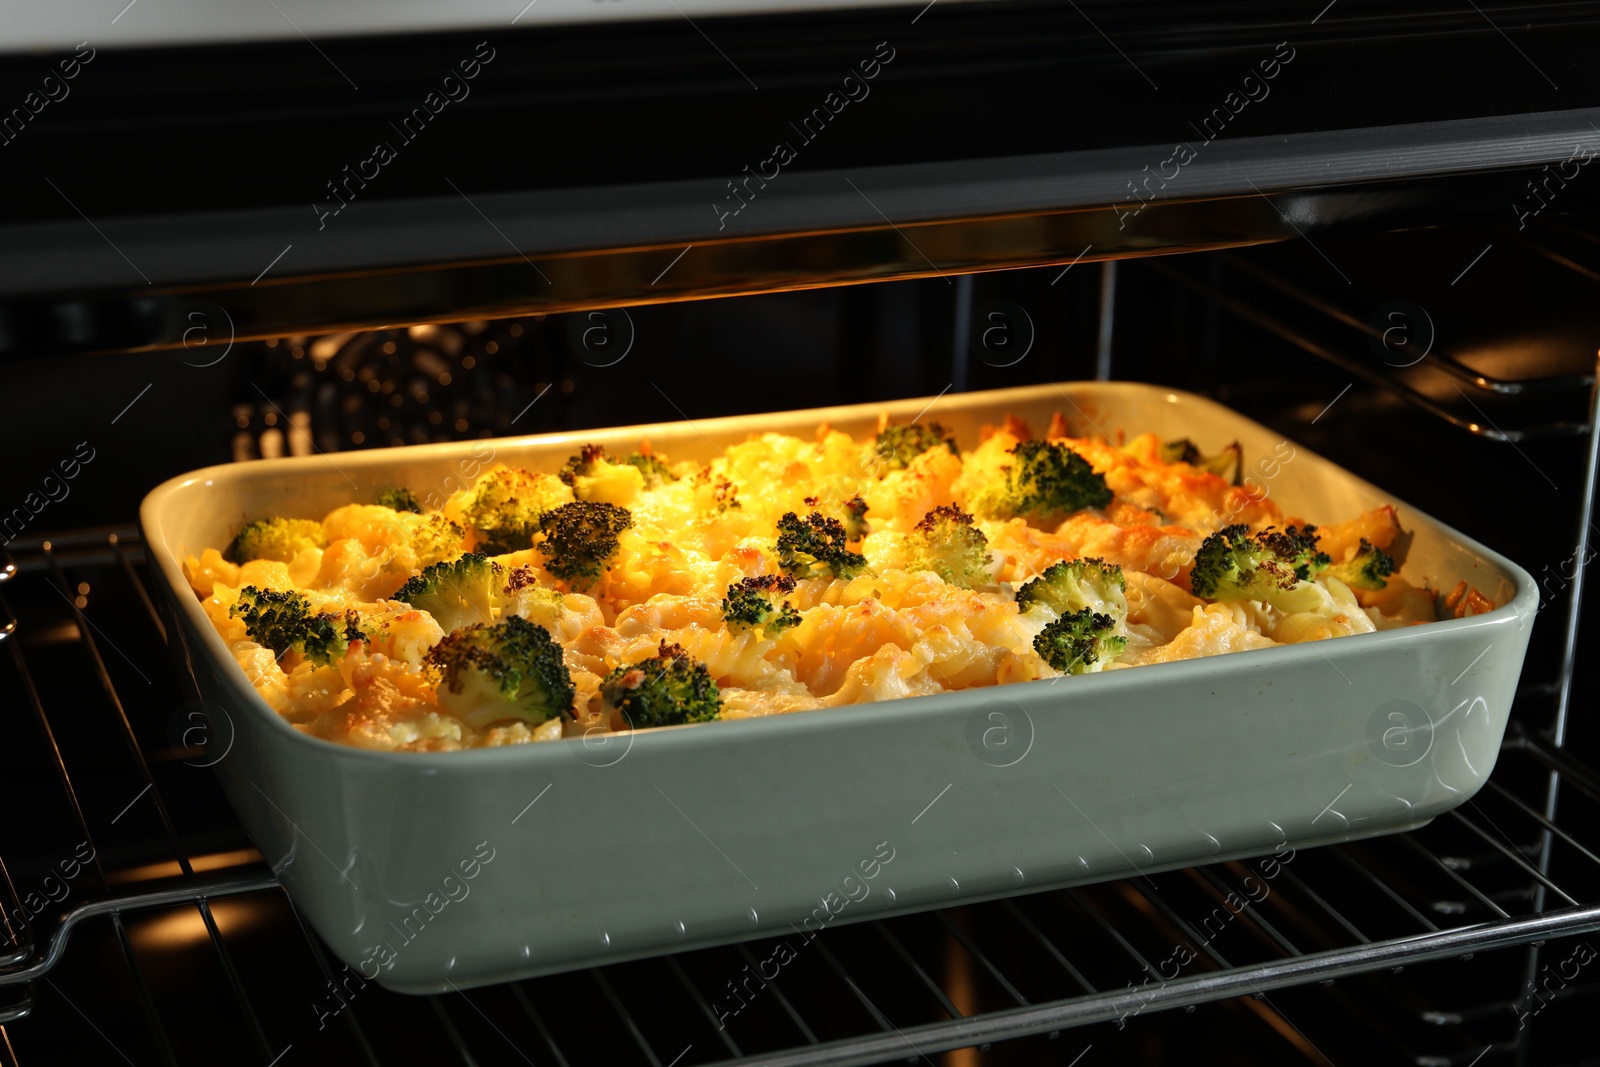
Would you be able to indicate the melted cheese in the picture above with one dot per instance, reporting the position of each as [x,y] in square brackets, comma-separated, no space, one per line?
[886,634]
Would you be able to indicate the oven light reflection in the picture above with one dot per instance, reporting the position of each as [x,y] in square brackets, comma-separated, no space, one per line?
[183,927]
[213,861]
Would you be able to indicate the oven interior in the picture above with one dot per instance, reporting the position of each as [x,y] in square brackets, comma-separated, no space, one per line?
[1434,334]
[104,750]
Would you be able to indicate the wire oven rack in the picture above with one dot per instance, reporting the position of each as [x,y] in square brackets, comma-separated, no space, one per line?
[1500,872]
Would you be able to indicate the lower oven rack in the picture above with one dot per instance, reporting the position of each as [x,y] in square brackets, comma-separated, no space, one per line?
[1498,873]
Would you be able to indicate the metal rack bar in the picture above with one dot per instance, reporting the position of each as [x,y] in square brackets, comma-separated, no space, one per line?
[235,984]
[1362,370]
[772,983]
[1182,924]
[1200,989]
[538,1024]
[1384,888]
[1452,366]
[844,976]
[1111,932]
[349,1010]
[1479,895]
[1556,831]
[945,1003]
[1049,945]
[146,1001]
[626,1016]
[1515,856]
[978,954]
[448,1025]
[1305,889]
[1249,911]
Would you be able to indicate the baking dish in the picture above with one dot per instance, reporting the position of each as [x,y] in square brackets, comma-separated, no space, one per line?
[436,871]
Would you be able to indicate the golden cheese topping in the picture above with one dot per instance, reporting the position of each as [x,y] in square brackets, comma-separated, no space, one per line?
[892,627]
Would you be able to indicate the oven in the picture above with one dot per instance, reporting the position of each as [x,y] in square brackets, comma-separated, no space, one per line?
[237,233]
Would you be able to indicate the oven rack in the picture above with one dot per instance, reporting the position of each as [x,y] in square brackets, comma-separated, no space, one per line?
[1555,405]
[1498,873]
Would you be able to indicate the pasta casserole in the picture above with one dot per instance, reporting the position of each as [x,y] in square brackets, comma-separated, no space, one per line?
[633,591]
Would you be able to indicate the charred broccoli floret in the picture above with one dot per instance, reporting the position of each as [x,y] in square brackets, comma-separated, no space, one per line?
[1368,569]
[946,543]
[277,539]
[667,689]
[506,505]
[579,538]
[814,547]
[753,603]
[1081,642]
[1073,585]
[896,446]
[511,670]
[594,475]
[1226,464]
[1272,566]
[584,464]
[284,620]
[458,593]
[650,465]
[855,519]
[400,499]
[1046,479]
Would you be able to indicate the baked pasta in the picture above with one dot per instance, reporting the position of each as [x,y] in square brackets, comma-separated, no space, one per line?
[633,591]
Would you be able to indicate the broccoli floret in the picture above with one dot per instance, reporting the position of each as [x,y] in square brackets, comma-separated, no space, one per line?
[506,505]
[435,538]
[896,446]
[752,603]
[650,465]
[946,543]
[579,538]
[277,539]
[855,519]
[1226,464]
[1272,566]
[457,593]
[1046,479]
[1081,642]
[400,500]
[584,464]
[667,689]
[284,620]
[524,596]
[594,475]
[814,547]
[1369,568]
[1073,585]
[511,670]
